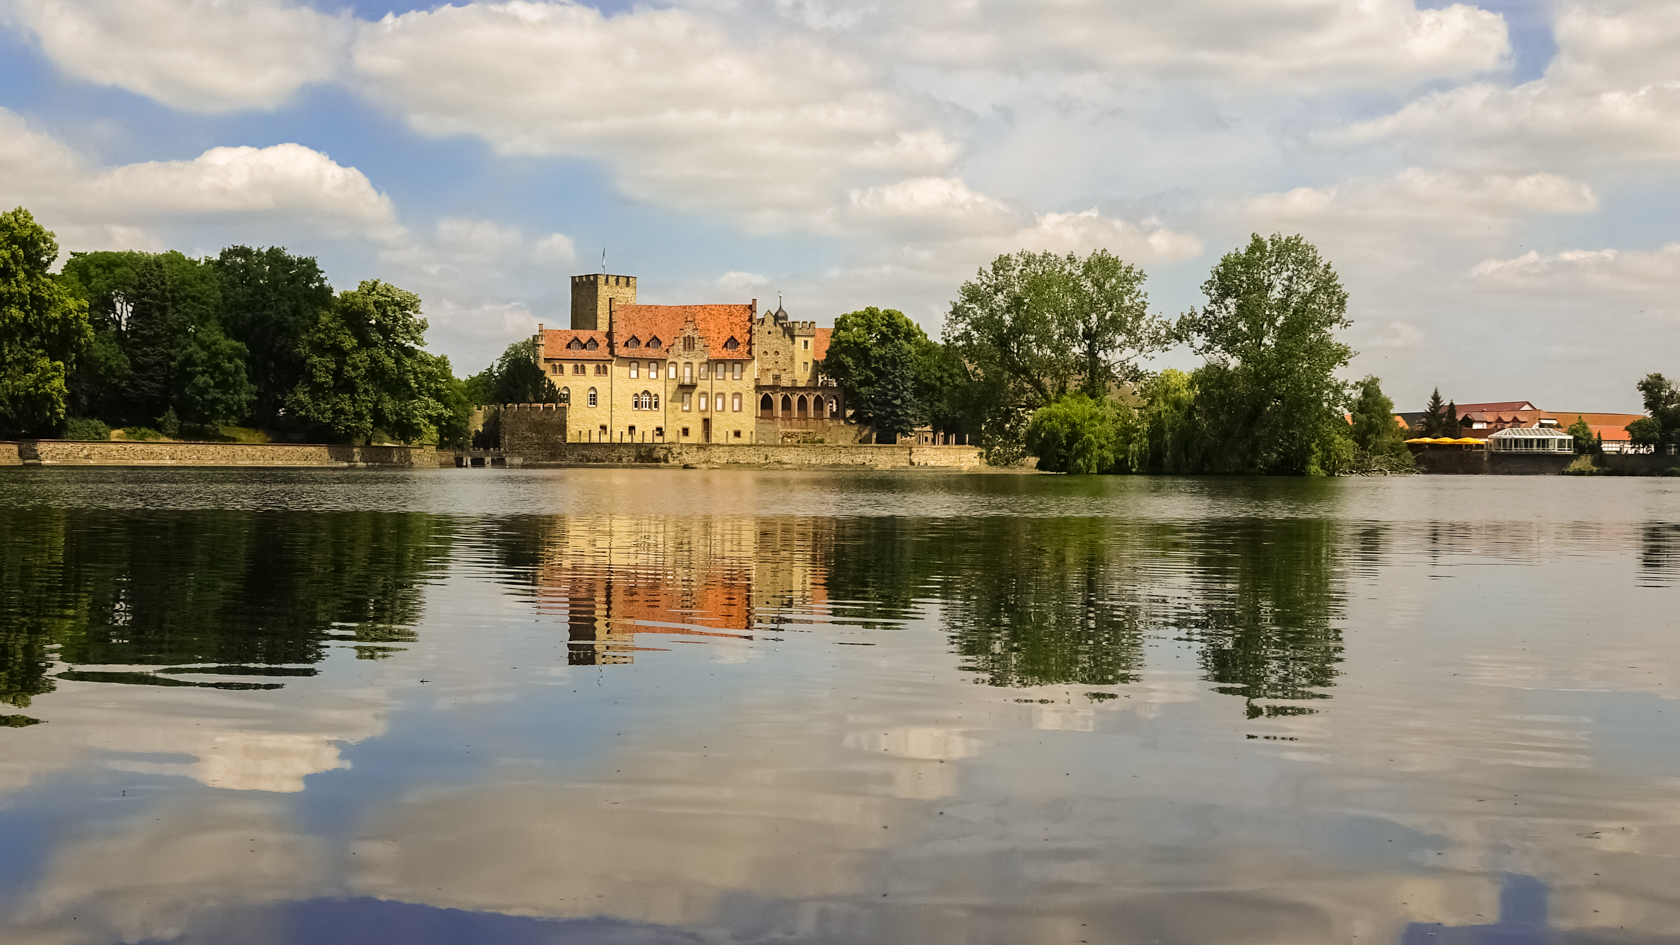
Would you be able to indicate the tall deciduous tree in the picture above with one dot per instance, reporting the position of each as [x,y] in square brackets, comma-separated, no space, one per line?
[1034,326]
[365,370]
[1660,428]
[1268,397]
[1375,430]
[270,300]
[43,328]
[877,356]
[517,376]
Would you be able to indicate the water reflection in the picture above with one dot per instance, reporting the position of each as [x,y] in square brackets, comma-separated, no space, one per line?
[203,593]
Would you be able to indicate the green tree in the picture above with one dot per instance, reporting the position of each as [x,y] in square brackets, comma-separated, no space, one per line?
[1660,428]
[1161,437]
[1375,431]
[517,377]
[1034,326]
[1076,434]
[1586,441]
[1434,415]
[1268,398]
[1450,425]
[43,328]
[878,357]
[270,300]
[213,387]
[458,404]
[365,370]
[105,281]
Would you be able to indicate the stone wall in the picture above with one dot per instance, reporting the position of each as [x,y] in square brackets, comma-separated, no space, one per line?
[9,455]
[720,454]
[153,453]
[532,428]
[1472,462]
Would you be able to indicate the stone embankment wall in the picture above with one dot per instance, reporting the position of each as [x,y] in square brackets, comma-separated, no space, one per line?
[154,453]
[9,455]
[721,454]
[1457,462]
[529,429]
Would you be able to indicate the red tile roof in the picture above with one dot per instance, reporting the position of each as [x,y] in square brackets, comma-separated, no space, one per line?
[819,347]
[716,324]
[1503,407]
[555,343]
[1611,426]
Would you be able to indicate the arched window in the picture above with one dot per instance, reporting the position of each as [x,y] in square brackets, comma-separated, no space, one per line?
[833,408]
[565,395]
[655,402]
[720,403]
[804,407]
[594,400]
[766,406]
[635,368]
[688,342]
[787,406]
[735,403]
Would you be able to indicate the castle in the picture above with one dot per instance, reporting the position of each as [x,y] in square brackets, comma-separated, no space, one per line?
[688,373]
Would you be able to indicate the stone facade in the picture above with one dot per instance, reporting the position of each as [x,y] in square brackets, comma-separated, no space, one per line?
[593,296]
[906,456]
[531,428]
[794,402]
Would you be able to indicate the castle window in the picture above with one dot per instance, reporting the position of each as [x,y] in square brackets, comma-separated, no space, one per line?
[592,345]
[735,403]
[635,368]
[687,405]
[634,342]
[578,368]
[671,370]
[804,366]
[688,342]
[688,372]
[720,403]
[565,395]
[594,400]
[654,342]
[600,369]
[653,369]
[575,344]
[807,344]
[655,402]
[737,370]
[731,344]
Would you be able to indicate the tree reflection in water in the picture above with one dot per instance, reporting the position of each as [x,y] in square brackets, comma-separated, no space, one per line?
[238,590]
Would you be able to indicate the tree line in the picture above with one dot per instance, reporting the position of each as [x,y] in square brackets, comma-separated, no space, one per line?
[164,344]
[1042,354]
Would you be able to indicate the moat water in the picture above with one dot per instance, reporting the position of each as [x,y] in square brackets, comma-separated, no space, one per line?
[663,706]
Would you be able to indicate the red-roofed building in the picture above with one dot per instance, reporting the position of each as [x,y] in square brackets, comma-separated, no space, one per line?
[681,373]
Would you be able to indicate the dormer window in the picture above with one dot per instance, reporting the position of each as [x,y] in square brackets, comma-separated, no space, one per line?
[634,342]
[592,345]
[653,343]
[731,344]
[575,344]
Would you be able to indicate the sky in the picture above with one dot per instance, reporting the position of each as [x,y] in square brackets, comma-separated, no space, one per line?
[1496,185]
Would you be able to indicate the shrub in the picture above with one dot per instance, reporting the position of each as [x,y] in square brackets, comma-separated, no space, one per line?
[85,428]
[141,433]
[1075,435]
[169,424]
[1582,466]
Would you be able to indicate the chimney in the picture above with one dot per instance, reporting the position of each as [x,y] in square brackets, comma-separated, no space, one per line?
[754,306]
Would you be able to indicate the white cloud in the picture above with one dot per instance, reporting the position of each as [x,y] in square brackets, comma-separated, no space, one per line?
[123,207]
[1421,202]
[557,249]
[735,281]
[1652,274]
[1375,42]
[195,55]
[1610,98]
[684,115]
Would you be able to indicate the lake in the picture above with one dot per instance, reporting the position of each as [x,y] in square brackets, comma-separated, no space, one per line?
[660,706]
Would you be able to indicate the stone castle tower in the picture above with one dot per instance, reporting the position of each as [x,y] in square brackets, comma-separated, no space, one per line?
[593,296]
